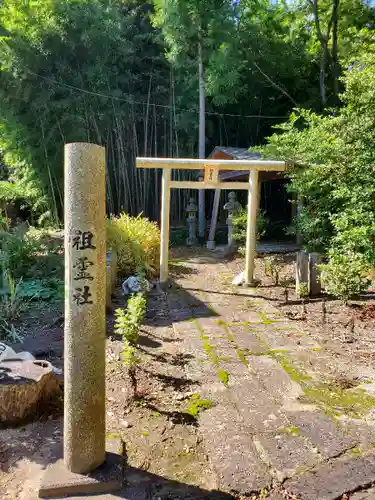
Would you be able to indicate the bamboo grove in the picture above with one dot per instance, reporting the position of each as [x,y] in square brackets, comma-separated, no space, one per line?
[124,74]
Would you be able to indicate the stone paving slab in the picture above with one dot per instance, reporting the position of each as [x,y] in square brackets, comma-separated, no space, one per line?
[274,379]
[245,339]
[232,451]
[332,480]
[363,495]
[286,454]
[322,431]
[255,406]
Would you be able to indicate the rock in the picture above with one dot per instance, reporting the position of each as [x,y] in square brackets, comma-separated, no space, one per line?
[26,387]
[330,482]
[239,279]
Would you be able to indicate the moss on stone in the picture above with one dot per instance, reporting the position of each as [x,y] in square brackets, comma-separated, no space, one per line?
[291,430]
[211,353]
[223,376]
[302,469]
[333,399]
[196,405]
[355,452]
[241,356]
[113,435]
[296,374]
[337,401]
[266,320]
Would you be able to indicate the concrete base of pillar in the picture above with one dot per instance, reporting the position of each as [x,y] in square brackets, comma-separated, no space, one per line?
[211,245]
[59,482]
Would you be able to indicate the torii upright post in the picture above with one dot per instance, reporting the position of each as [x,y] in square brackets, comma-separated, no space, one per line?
[165,221]
[251,231]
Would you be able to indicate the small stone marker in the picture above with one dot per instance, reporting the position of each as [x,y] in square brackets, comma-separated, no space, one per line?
[85,302]
[302,272]
[315,285]
[308,274]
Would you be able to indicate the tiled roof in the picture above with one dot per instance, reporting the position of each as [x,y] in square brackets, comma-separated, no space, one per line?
[237,153]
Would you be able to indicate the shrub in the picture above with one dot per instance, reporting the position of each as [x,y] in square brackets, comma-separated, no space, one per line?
[240,225]
[4,222]
[127,324]
[11,306]
[21,253]
[27,256]
[344,276]
[136,241]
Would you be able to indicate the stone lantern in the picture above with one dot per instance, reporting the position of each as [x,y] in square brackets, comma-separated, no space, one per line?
[233,207]
[192,210]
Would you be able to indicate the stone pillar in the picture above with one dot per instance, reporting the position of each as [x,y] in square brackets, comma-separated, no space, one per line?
[302,274]
[215,212]
[315,285]
[233,207]
[202,211]
[85,298]
[192,210]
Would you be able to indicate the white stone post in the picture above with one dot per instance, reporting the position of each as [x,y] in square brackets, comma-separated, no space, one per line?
[165,222]
[251,232]
[201,211]
[215,212]
[85,298]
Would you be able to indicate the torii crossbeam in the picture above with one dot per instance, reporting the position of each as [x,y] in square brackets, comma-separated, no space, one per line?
[211,181]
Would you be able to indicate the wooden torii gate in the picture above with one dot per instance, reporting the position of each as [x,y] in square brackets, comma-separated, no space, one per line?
[211,181]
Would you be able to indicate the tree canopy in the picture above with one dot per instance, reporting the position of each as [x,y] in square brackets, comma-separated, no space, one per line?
[124,74]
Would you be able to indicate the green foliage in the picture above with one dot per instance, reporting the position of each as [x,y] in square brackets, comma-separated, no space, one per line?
[21,253]
[128,323]
[42,289]
[28,256]
[97,71]
[303,290]
[196,405]
[137,243]
[240,225]
[345,276]
[4,222]
[272,268]
[335,154]
[11,306]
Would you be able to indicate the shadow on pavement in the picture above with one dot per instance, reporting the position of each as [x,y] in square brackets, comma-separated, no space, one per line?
[142,485]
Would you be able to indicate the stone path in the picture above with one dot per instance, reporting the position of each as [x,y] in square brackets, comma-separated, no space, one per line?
[286,416]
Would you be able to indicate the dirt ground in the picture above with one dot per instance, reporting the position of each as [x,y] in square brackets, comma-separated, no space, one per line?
[158,424]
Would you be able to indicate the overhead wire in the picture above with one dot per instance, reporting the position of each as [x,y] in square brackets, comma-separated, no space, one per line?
[130,100]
